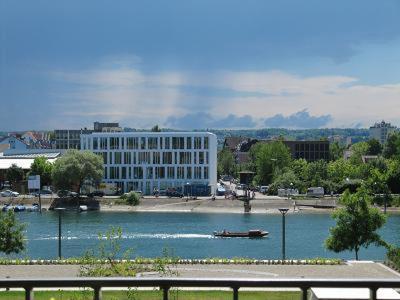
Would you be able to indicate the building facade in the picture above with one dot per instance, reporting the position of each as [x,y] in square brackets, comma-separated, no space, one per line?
[69,138]
[309,150]
[144,161]
[380,131]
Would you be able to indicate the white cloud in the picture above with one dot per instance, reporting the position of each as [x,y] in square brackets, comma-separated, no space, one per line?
[122,92]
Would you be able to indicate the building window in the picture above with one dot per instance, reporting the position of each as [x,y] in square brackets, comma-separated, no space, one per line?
[127,158]
[205,173]
[144,158]
[197,143]
[117,158]
[201,158]
[103,143]
[189,172]
[167,143]
[137,173]
[197,172]
[170,172]
[185,158]
[156,158]
[114,143]
[152,143]
[95,143]
[188,143]
[167,158]
[123,172]
[159,172]
[180,172]
[206,142]
[132,143]
[105,157]
[114,173]
[178,143]
[142,143]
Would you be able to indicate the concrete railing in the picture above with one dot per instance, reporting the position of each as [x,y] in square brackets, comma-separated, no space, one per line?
[166,283]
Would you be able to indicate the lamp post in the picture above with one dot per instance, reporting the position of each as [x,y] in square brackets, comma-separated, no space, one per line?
[283,211]
[60,210]
[290,191]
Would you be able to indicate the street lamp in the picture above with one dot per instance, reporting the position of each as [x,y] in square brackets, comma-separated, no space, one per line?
[60,210]
[290,191]
[283,211]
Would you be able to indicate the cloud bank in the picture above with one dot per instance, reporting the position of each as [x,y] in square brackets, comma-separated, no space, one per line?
[221,99]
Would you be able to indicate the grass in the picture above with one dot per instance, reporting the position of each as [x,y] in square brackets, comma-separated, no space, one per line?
[151,295]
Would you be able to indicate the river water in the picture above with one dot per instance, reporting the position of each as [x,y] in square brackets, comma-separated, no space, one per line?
[190,235]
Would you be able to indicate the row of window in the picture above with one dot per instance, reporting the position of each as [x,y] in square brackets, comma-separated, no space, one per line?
[312,147]
[156,173]
[155,158]
[145,143]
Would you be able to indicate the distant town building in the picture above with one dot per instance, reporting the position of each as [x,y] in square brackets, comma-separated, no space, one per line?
[380,131]
[12,142]
[106,127]
[71,138]
[308,150]
[149,161]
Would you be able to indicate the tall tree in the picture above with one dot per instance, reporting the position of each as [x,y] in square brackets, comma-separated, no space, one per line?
[358,150]
[335,151]
[14,175]
[156,128]
[226,163]
[356,224]
[392,147]
[269,158]
[374,147]
[75,167]
[12,239]
[42,167]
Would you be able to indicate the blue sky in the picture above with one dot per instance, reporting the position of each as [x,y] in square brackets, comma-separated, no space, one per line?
[199,64]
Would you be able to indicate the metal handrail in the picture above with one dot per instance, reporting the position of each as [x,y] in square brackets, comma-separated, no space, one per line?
[96,283]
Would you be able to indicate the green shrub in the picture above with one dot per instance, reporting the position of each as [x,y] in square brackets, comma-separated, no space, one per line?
[131,198]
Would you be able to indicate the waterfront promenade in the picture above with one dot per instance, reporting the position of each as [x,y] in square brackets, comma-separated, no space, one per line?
[349,270]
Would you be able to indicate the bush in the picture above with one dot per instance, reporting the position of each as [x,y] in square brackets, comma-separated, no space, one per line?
[131,198]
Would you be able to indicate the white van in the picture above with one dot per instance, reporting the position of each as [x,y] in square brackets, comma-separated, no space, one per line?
[315,191]
[263,189]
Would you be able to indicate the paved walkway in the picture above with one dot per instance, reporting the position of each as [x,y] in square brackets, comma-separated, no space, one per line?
[348,270]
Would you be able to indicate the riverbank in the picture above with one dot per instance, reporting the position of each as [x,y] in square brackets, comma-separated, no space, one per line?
[261,205]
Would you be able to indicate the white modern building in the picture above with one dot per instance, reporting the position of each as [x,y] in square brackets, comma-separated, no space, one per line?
[381,131]
[146,161]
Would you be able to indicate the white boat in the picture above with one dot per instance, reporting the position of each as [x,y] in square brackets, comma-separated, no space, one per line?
[83,208]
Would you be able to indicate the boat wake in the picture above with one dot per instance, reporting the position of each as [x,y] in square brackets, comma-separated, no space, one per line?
[134,236]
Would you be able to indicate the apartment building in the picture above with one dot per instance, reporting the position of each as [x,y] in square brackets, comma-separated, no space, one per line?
[146,161]
[380,131]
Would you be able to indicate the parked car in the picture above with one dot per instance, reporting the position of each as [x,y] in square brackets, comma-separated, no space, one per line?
[315,192]
[42,193]
[174,193]
[9,193]
[263,189]
[96,194]
[66,193]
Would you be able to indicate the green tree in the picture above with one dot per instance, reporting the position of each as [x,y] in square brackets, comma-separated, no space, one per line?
[316,172]
[14,175]
[226,163]
[374,147]
[156,128]
[12,239]
[393,176]
[42,167]
[270,157]
[335,151]
[75,167]
[286,180]
[356,224]
[358,150]
[392,147]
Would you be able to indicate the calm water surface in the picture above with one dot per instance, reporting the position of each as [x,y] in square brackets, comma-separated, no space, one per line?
[189,235]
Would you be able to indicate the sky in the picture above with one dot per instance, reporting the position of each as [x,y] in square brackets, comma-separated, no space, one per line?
[188,64]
